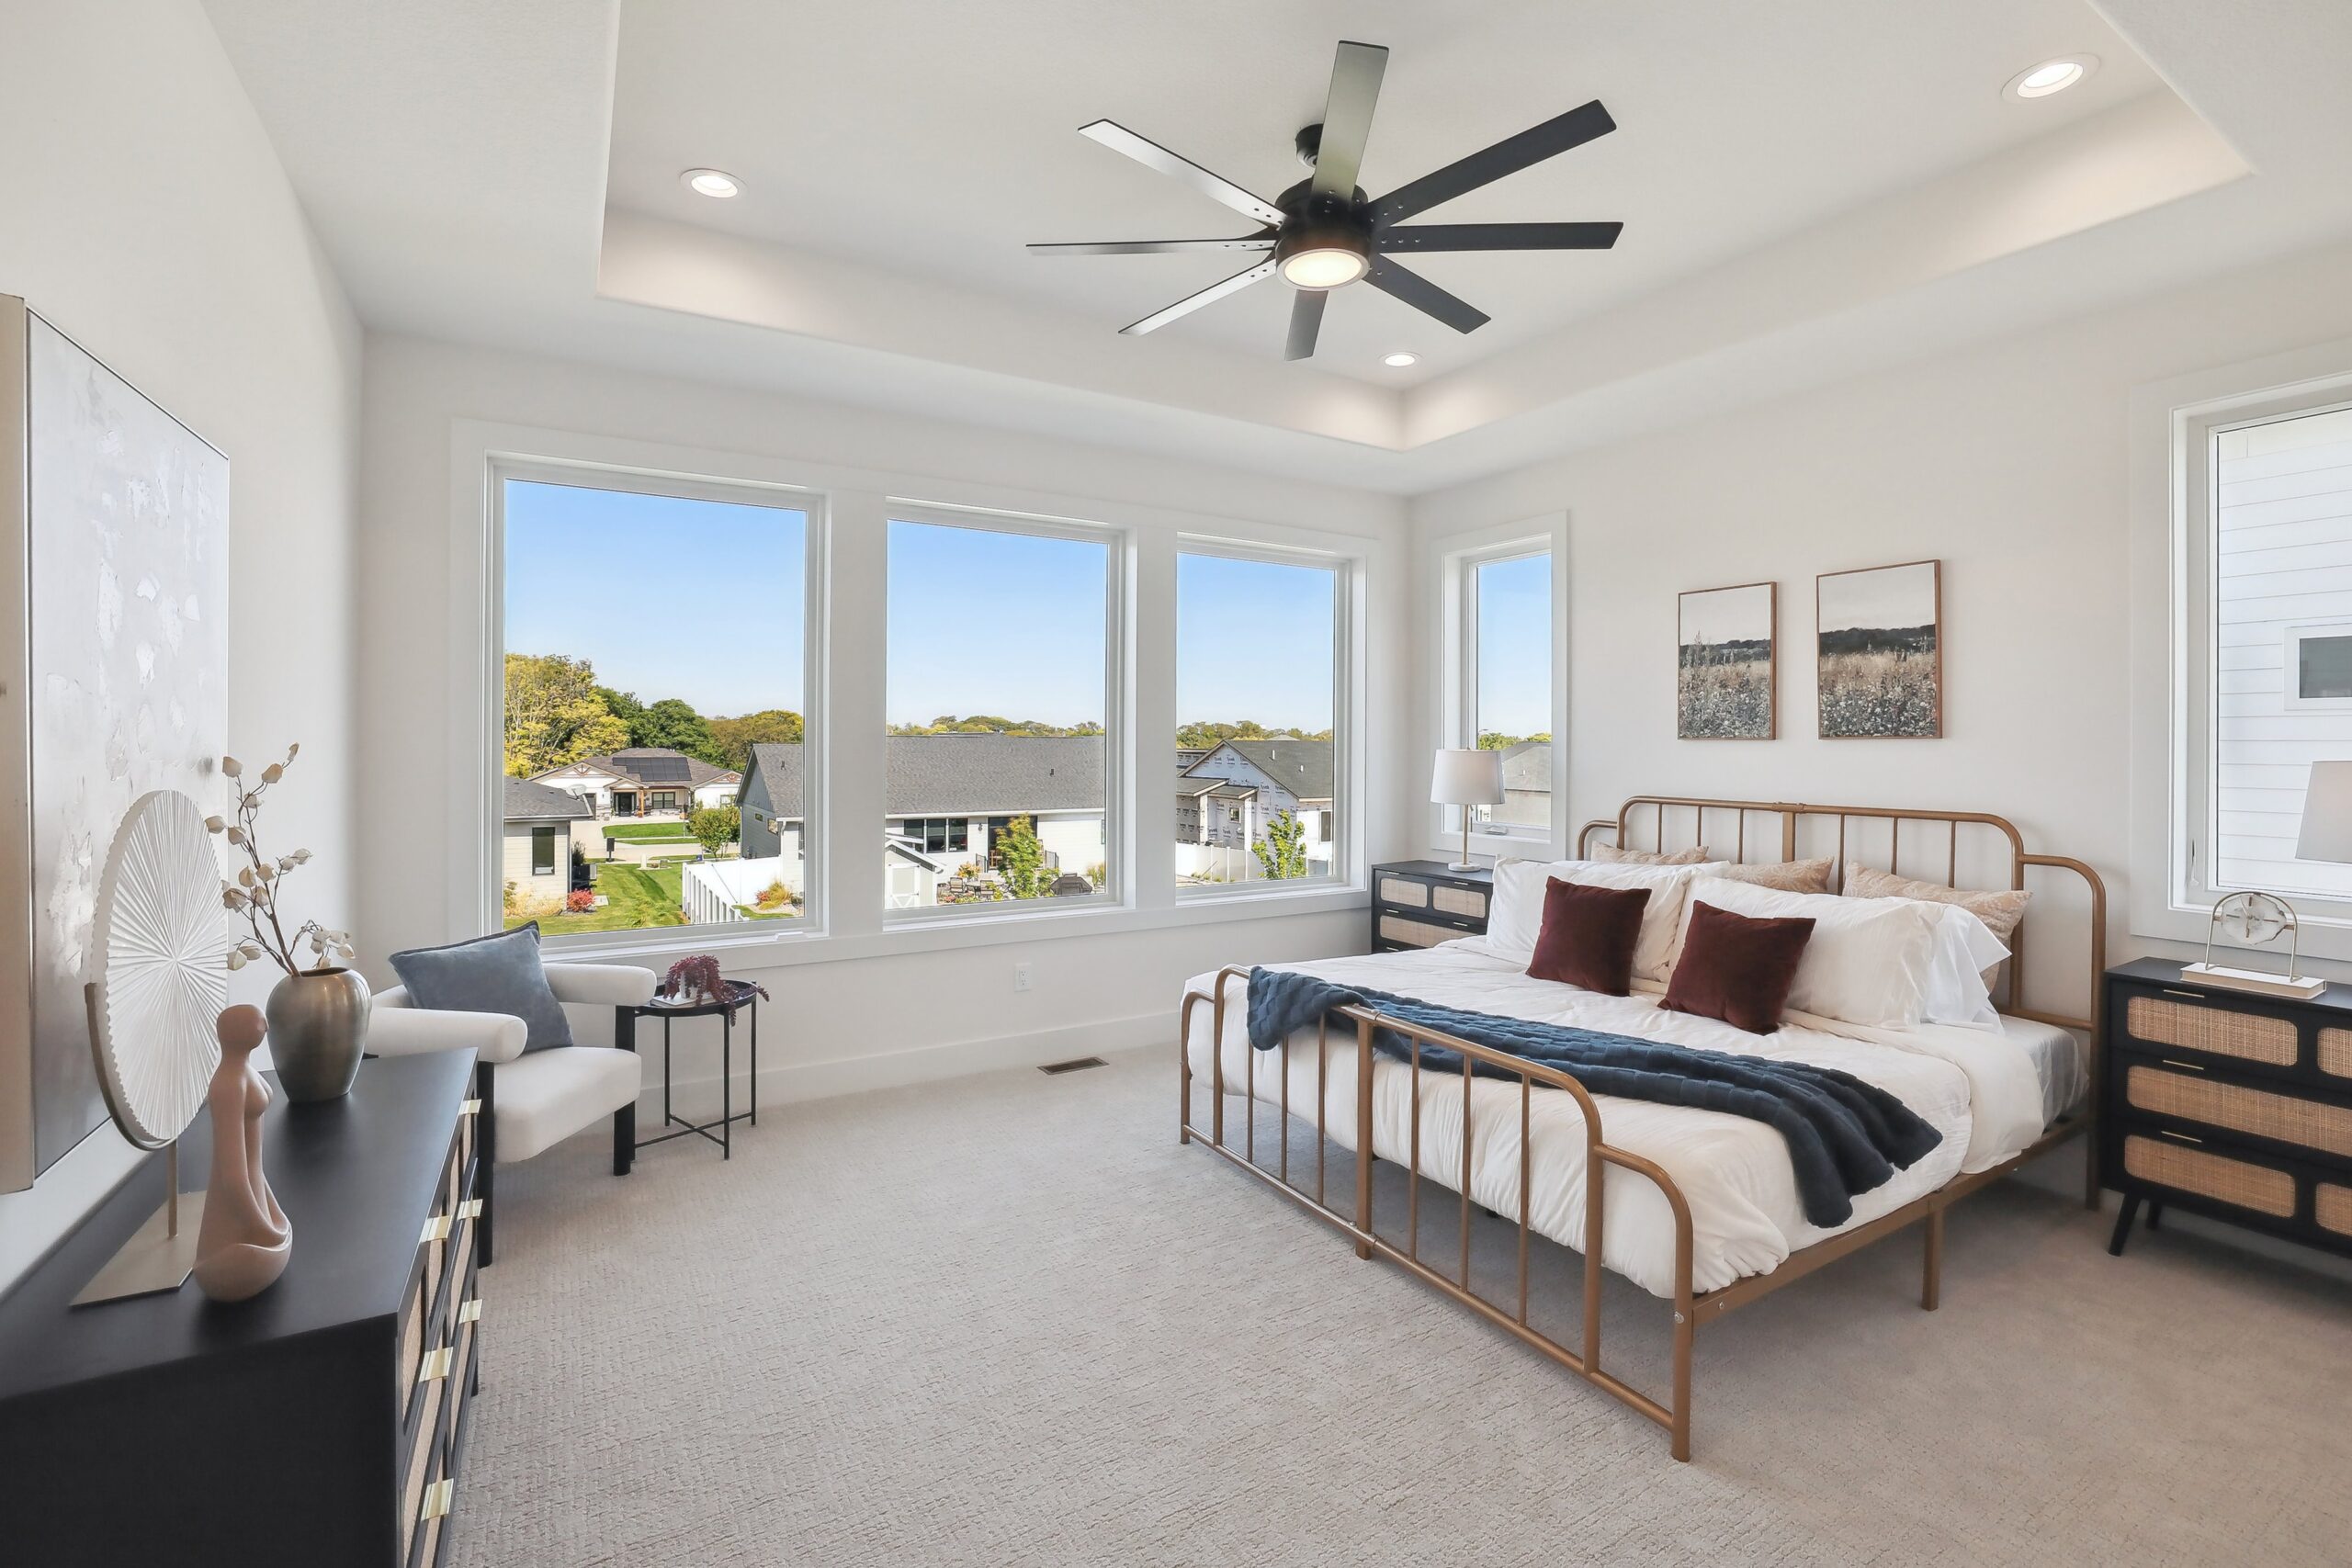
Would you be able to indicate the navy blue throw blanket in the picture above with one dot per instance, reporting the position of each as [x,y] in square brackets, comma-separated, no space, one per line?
[1845,1136]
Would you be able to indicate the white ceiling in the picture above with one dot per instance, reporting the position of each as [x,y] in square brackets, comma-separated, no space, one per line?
[1809,187]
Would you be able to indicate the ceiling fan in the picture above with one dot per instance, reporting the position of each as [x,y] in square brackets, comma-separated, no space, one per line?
[1325,234]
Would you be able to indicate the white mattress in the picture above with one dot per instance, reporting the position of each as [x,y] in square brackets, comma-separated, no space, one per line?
[2057,1057]
[1983,1090]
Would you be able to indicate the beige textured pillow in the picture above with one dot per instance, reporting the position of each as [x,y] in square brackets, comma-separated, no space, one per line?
[1788,876]
[1612,853]
[2000,911]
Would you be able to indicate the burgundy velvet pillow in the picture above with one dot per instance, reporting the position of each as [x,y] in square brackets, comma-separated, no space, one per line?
[1589,936]
[1737,967]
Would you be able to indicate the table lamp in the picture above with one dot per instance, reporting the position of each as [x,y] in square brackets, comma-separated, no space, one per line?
[1466,778]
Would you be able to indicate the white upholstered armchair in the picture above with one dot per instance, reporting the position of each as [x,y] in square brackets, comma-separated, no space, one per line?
[531,1101]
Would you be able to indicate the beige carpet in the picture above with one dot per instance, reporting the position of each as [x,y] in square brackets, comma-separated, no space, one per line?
[1008,1319]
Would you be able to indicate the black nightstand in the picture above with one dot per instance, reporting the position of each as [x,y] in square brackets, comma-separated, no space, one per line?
[2228,1104]
[1419,903]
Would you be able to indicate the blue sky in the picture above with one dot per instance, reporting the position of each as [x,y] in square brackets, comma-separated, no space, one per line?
[980,622]
[636,584]
[1515,646]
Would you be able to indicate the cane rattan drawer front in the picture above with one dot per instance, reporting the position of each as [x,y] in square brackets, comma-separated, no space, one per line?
[2236,1182]
[1399,931]
[2283,1119]
[2336,1052]
[2332,1207]
[1404,892]
[2216,1030]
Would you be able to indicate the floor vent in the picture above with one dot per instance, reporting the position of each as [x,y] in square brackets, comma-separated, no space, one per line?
[1075,1064]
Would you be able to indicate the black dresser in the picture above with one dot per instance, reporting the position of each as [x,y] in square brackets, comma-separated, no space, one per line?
[320,1423]
[1419,903]
[2229,1104]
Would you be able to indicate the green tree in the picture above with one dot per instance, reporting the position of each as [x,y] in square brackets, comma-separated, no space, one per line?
[674,723]
[624,707]
[1022,859]
[555,714]
[1496,740]
[769,726]
[1282,851]
[715,827]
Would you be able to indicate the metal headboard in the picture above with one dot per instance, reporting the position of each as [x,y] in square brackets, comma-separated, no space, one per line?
[1665,814]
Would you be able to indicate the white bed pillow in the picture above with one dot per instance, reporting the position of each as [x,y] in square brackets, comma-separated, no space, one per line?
[1515,918]
[1870,961]
[1966,952]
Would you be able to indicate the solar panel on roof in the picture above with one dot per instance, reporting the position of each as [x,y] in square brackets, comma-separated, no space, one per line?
[660,770]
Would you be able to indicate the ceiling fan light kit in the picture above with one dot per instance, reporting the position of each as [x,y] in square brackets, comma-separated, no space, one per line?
[1325,234]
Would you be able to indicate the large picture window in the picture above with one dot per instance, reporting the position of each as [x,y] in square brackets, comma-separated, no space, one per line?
[655,637]
[2272,546]
[1507,686]
[998,760]
[1259,770]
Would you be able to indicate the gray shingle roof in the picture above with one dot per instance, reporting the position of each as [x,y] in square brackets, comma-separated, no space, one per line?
[1302,767]
[1528,766]
[528,802]
[938,775]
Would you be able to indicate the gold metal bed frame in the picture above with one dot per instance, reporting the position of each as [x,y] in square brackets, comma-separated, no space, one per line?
[1691,1308]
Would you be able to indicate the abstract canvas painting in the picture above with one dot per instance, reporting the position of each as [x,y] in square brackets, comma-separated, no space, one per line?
[1724,664]
[117,679]
[1882,651]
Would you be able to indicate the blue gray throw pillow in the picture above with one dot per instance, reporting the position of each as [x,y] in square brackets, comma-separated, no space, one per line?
[500,973]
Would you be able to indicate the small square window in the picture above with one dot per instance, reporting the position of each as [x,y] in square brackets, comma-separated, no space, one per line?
[2319,666]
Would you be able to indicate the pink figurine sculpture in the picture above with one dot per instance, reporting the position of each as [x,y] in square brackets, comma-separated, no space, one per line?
[245,1241]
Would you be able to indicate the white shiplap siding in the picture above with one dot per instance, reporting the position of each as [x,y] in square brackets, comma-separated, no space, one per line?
[2283,538]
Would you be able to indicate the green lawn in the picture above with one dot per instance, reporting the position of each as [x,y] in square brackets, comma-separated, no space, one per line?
[637,897]
[647,833]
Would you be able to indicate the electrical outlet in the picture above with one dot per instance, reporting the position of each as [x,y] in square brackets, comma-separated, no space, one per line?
[1021,976]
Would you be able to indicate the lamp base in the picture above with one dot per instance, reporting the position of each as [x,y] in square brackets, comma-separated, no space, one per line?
[158,1257]
[1464,865]
[2253,980]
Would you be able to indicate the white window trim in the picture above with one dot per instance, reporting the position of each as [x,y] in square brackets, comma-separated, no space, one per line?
[2172,684]
[1118,545]
[1454,575]
[1346,660]
[849,504]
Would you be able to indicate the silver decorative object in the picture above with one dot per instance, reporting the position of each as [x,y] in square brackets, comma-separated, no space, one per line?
[317,1032]
[2250,919]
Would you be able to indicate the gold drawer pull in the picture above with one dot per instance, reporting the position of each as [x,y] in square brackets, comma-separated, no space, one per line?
[2192,996]
[2184,1066]
[469,1108]
[437,1365]
[436,1229]
[469,1312]
[471,1209]
[2168,1133]
[439,1498]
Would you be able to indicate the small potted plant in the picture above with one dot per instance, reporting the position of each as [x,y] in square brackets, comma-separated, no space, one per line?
[696,982]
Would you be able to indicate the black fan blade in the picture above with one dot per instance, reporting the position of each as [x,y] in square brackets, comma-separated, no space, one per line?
[1347,118]
[1496,237]
[1305,321]
[1508,156]
[1424,296]
[1152,155]
[1151,247]
[1191,303]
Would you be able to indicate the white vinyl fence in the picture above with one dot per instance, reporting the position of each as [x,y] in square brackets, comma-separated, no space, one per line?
[712,889]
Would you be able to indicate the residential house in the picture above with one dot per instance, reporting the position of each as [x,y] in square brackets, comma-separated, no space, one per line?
[1527,786]
[534,850]
[1225,798]
[951,798]
[646,781]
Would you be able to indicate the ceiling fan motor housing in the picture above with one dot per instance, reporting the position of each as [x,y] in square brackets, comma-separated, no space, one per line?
[1313,222]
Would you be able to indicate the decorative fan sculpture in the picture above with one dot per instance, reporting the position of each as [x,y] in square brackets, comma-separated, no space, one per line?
[158,984]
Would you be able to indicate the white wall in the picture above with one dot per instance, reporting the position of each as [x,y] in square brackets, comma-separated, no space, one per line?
[889,1013]
[143,212]
[2007,462]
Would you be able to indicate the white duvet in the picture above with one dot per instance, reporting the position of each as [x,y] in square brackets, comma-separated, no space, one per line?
[1977,1088]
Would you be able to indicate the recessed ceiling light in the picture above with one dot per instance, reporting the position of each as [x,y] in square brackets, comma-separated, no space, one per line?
[712,182]
[2051,76]
[1402,360]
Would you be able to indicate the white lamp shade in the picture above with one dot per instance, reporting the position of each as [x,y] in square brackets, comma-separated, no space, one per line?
[1468,778]
[2327,813]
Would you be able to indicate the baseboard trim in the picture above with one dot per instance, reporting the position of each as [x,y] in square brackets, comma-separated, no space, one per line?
[786,1082]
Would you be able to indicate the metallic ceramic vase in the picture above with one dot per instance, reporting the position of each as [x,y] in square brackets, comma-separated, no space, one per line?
[318,1030]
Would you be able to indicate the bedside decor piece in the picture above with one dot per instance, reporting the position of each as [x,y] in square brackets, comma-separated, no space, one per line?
[1726,664]
[245,1241]
[2250,919]
[318,1013]
[114,517]
[1881,647]
[151,1002]
[1465,778]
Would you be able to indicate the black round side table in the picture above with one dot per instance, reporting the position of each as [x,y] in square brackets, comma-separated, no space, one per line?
[741,994]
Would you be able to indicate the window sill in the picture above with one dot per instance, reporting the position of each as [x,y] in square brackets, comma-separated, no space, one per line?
[767,950]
